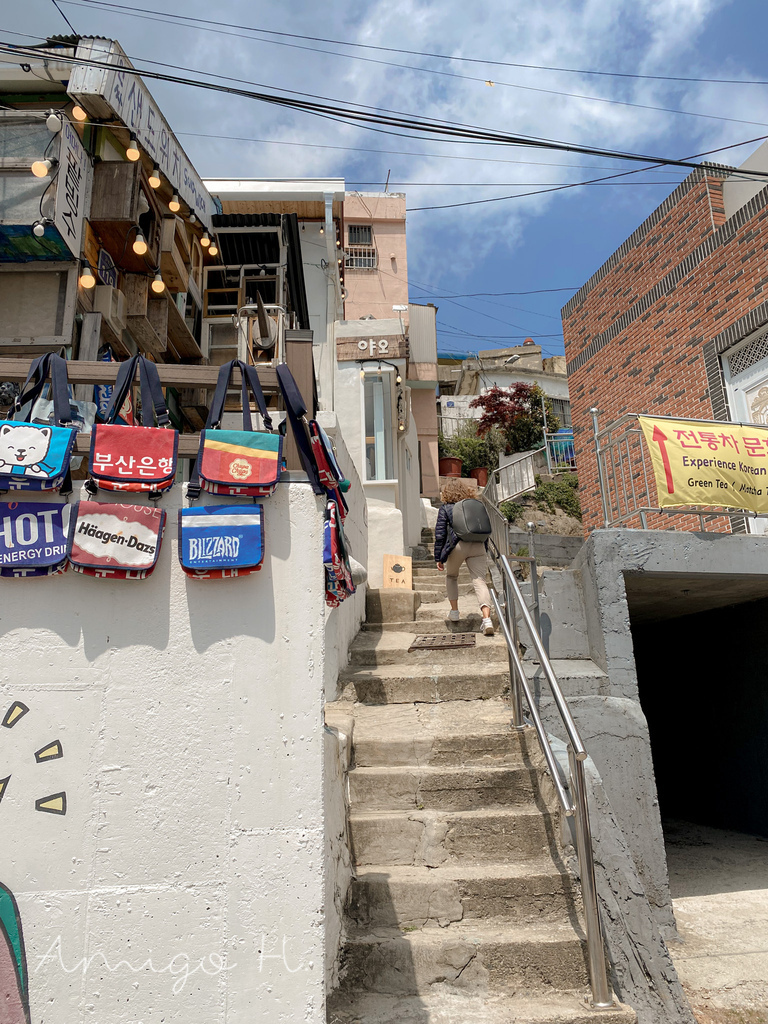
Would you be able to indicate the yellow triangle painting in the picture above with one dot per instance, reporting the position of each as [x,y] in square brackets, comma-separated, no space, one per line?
[4,785]
[50,752]
[54,804]
[16,711]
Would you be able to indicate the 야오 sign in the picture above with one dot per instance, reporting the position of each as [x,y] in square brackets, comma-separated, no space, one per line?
[697,462]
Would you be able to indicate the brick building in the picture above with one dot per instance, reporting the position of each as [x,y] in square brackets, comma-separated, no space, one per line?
[675,322]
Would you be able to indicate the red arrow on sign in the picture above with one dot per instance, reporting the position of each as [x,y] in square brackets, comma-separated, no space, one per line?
[661,438]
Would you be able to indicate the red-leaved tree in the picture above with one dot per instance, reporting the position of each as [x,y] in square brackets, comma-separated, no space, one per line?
[518,412]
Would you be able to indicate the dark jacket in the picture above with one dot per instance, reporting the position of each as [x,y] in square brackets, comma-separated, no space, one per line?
[445,539]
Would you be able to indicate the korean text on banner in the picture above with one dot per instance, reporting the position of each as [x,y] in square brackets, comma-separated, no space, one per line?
[696,462]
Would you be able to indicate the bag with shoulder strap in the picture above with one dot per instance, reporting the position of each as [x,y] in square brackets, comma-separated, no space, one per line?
[36,457]
[243,463]
[34,538]
[221,541]
[135,458]
[115,541]
[471,521]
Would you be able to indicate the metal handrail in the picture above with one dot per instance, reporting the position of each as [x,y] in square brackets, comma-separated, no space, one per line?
[574,805]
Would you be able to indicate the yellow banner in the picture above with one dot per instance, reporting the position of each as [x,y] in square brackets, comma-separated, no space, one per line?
[705,463]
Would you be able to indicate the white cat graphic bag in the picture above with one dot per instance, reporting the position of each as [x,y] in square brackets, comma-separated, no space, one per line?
[33,456]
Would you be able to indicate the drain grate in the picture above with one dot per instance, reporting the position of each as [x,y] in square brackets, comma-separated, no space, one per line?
[442,641]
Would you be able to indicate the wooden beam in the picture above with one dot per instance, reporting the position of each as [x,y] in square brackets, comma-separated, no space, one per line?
[177,375]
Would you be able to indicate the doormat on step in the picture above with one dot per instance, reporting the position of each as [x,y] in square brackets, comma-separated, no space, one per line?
[442,641]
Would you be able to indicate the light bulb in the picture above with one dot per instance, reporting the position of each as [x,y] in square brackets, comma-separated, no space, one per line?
[140,244]
[158,285]
[398,379]
[42,168]
[78,113]
[132,152]
[53,122]
[213,249]
[262,272]
[38,228]
[362,373]
[192,218]
[175,205]
[205,241]
[338,243]
[154,178]
[401,426]
[322,230]
[87,280]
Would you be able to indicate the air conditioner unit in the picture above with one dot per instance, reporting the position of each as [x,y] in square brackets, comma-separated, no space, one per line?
[111,303]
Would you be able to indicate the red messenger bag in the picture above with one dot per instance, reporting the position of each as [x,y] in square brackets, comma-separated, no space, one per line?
[140,458]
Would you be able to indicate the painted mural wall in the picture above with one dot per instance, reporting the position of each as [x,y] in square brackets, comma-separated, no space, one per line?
[161,789]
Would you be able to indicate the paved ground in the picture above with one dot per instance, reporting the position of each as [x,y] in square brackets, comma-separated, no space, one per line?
[719,883]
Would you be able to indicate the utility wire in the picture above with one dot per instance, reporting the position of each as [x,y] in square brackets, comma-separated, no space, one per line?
[431,126]
[437,56]
[162,17]
[72,27]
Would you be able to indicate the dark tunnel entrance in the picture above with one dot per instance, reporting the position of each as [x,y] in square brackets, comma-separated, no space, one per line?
[702,667]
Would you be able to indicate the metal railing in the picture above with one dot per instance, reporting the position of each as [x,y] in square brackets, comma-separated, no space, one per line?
[361,257]
[627,482]
[573,800]
[561,457]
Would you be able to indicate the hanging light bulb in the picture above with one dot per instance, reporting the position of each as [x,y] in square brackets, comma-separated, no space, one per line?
[213,249]
[158,285]
[42,168]
[362,373]
[338,243]
[175,204]
[262,272]
[205,241]
[78,113]
[140,244]
[132,152]
[38,228]
[154,178]
[398,379]
[87,280]
[54,121]
[322,230]
[192,218]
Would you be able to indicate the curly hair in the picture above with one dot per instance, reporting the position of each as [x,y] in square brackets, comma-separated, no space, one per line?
[456,489]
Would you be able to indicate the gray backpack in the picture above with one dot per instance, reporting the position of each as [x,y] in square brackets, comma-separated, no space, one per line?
[471,521]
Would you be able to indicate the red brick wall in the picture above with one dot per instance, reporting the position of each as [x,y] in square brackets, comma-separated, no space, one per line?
[630,349]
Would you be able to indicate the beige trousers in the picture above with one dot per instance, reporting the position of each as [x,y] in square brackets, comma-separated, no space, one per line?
[473,553]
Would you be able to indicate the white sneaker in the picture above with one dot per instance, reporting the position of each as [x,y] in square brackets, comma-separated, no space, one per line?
[487,627]
[453,615]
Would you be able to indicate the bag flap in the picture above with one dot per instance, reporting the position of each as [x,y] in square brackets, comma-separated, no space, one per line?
[33,534]
[221,536]
[106,536]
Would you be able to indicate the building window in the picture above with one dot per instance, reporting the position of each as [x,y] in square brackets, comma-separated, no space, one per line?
[360,234]
[562,409]
[378,426]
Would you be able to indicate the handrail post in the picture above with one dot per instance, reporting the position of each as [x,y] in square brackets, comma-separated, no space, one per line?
[602,997]
[598,452]
[534,576]
[516,689]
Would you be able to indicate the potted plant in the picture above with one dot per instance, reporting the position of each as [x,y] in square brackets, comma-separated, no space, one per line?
[449,456]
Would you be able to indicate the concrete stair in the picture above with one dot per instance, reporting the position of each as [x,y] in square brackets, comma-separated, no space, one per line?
[461,910]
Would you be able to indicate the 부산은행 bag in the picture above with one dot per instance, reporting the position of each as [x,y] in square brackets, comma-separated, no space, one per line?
[135,458]
[34,538]
[221,541]
[241,463]
[115,541]
[36,457]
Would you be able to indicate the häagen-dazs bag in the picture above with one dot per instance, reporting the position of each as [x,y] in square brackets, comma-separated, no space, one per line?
[115,541]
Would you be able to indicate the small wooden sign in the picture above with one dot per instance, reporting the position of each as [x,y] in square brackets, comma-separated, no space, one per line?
[398,572]
[355,349]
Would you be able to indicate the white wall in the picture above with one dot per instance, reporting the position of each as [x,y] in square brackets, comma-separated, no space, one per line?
[321,301]
[191,718]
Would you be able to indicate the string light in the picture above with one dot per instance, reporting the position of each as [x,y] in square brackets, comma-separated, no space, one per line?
[132,152]
[38,228]
[87,280]
[54,122]
[154,178]
[205,241]
[175,204]
[78,113]
[213,249]
[140,243]
[322,230]
[42,168]
[158,285]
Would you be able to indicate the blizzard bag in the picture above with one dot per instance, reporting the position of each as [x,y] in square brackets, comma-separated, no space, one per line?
[34,537]
[221,541]
[35,457]
[471,521]
[115,541]
[138,458]
[242,463]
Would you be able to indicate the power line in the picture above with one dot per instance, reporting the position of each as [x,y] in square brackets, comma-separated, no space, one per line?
[55,4]
[431,126]
[507,184]
[534,291]
[165,18]
[438,56]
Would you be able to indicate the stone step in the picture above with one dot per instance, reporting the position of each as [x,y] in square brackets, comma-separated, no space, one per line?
[449,734]
[431,838]
[427,535]
[444,1005]
[409,897]
[387,647]
[506,956]
[436,595]
[429,681]
[575,676]
[455,788]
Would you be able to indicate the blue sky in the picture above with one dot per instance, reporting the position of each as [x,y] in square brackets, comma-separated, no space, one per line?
[521,245]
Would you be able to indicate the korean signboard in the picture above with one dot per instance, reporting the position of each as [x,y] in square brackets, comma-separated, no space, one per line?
[697,462]
[71,188]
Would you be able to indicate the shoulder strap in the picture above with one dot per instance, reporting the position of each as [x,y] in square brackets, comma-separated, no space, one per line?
[33,385]
[251,375]
[295,414]
[38,371]
[152,401]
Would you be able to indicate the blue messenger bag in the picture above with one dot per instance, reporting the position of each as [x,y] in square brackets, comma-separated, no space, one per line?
[33,538]
[221,541]
[33,456]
